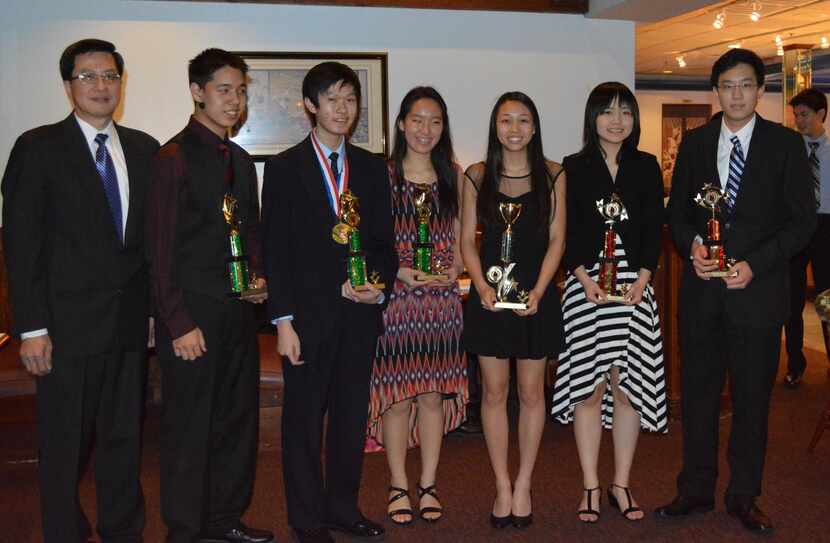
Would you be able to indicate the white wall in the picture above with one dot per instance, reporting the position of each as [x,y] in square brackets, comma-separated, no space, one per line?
[471,57]
[651,111]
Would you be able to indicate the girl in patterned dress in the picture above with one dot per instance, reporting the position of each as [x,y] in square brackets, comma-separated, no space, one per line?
[419,378]
[611,372]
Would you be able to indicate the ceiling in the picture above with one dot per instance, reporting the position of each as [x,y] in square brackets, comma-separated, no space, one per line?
[692,36]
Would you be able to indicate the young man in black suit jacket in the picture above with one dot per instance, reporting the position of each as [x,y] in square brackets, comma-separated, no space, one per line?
[206,340]
[733,324]
[327,330]
[74,243]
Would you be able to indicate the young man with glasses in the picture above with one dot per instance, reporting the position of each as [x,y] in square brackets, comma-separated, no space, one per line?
[732,325]
[810,112]
[73,217]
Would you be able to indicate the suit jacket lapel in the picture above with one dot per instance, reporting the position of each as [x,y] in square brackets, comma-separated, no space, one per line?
[80,159]
[137,192]
[752,162]
[710,151]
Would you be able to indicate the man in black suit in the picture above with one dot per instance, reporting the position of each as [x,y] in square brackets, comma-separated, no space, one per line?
[73,215]
[733,324]
[327,330]
[206,340]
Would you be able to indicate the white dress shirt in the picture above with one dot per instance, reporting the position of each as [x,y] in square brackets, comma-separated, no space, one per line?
[113,145]
[725,146]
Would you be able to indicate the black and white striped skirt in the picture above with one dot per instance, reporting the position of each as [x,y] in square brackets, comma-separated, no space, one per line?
[599,337]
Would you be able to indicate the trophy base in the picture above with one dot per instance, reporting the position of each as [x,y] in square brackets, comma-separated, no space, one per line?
[249,293]
[432,277]
[722,273]
[379,286]
[615,297]
[510,305]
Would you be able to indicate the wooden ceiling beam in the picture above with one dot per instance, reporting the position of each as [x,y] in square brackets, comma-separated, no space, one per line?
[543,6]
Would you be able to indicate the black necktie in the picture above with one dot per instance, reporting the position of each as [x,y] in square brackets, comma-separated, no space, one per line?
[814,166]
[333,159]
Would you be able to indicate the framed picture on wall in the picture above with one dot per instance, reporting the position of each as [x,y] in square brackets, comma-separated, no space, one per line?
[677,120]
[276,118]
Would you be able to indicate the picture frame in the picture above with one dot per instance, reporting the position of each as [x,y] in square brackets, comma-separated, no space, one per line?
[276,118]
[678,119]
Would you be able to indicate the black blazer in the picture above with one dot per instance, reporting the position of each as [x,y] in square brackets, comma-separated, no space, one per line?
[773,218]
[640,186]
[304,267]
[67,270]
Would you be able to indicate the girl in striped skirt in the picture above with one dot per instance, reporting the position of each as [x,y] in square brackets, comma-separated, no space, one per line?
[610,374]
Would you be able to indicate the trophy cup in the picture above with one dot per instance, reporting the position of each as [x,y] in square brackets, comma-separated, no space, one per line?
[612,211]
[422,262]
[346,232]
[500,275]
[710,197]
[242,285]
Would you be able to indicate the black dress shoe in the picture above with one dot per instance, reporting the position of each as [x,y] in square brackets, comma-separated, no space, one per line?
[752,518]
[239,534]
[792,380]
[318,535]
[682,506]
[362,530]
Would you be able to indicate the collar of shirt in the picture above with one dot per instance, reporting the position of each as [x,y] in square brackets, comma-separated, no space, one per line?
[725,146]
[341,153]
[205,134]
[89,131]
[821,140]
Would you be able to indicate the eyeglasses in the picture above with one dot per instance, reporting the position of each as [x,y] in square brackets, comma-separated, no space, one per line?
[91,78]
[743,87]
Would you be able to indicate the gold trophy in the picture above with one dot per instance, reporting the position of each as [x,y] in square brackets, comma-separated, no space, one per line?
[613,212]
[242,285]
[346,232]
[426,269]
[710,197]
[500,275]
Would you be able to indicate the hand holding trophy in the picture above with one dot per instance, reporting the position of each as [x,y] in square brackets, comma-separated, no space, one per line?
[346,232]
[242,285]
[424,248]
[710,197]
[612,211]
[500,275]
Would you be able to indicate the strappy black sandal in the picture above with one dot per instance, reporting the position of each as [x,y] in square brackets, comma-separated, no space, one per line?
[401,493]
[426,510]
[590,510]
[616,504]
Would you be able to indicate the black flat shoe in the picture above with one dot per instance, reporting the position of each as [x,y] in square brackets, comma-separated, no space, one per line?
[753,519]
[522,522]
[401,493]
[612,499]
[430,490]
[239,534]
[361,530]
[500,522]
[590,510]
[683,506]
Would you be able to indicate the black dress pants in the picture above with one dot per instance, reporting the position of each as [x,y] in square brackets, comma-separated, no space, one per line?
[817,252]
[712,348]
[209,421]
[84,400]
[337,383]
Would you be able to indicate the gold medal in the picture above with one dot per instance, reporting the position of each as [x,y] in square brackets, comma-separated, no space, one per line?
[340,233]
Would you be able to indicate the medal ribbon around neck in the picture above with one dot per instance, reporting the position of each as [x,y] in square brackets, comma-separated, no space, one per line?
[333,191]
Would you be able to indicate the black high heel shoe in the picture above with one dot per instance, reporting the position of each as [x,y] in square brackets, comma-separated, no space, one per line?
[590,510]
[401,493]
[426,510]
[522,522]
[500,522]
[616,504]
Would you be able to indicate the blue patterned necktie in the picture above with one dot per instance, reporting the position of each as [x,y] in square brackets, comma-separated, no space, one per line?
[814,166]
[736,171]
[106,169]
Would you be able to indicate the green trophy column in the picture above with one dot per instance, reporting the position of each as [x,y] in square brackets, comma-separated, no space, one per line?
[423,249]
[357,261]
[237,265]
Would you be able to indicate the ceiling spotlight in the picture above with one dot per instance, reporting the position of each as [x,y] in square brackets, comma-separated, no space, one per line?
[681,61]
[755,16]
[824,43]
[720,20]
[778,40]
[736,45]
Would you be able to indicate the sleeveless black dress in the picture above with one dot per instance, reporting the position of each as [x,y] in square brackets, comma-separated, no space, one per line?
[504,334]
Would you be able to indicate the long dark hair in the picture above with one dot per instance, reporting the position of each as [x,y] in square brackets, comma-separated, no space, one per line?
[541,180]
[599,100]
[442,155]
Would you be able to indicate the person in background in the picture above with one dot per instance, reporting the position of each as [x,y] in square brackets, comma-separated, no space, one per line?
[810,112]
[610,374]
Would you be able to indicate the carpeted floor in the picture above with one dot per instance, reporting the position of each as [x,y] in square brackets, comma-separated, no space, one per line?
[796,493]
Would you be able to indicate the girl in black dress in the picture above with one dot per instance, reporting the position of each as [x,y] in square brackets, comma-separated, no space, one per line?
[515,171]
